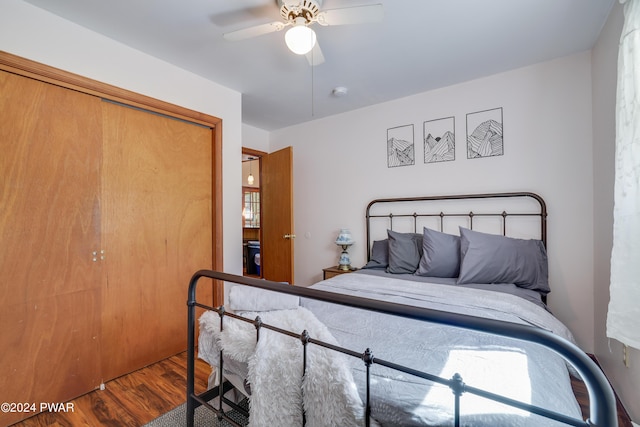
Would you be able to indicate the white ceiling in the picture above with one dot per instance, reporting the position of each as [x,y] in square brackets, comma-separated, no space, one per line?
[420,45]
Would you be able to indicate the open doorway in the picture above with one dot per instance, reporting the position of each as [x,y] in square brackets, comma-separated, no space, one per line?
[267,222]
[251,213]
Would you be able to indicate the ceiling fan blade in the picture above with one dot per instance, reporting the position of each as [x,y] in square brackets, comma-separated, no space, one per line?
[315,56]
[258,30]
[239,17]
[351,15]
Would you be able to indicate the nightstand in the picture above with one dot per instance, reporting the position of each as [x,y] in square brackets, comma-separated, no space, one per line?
[330,272]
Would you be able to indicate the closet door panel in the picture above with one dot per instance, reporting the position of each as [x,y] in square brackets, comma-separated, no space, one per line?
[50,147]
[157,222]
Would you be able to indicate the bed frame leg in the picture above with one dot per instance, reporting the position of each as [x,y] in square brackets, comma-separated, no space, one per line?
[190,365]
[367,357]
[457,386]
[191,345]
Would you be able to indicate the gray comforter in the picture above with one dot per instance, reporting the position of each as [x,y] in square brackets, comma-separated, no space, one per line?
[523,371]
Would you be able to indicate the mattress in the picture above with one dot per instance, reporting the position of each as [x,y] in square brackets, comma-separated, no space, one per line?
[520,370]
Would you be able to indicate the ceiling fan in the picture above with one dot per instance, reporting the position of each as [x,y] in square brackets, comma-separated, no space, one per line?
[300,15]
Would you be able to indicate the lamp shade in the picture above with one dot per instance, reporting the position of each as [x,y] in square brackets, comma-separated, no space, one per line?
[300,39]
[344,237]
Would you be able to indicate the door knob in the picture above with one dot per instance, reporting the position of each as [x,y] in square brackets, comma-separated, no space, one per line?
[289,236]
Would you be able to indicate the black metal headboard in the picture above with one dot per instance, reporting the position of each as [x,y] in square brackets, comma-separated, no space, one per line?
[464,207]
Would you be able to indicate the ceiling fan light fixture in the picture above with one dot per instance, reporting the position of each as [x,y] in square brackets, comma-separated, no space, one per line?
[300,39]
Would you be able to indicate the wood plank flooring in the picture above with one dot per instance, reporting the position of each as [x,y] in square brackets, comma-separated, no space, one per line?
[580,390]
[131,400]
[137,398]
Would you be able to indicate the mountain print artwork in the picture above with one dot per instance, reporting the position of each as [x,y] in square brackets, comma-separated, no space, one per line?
[486,138]
[439,149]
[400,146]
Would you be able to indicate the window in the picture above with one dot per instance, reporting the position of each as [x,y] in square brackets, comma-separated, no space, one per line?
[250,207]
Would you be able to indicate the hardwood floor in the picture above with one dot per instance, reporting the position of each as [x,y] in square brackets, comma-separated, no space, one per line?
[580,390]
[137,398]
[131,400]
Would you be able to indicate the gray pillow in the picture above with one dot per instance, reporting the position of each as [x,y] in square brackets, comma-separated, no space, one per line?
[491,258]
[405,251]
[379,254]
[440,254]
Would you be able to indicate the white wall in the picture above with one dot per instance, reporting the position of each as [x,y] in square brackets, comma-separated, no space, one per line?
[256,138]
[33,33]
[625,380]
[340,165]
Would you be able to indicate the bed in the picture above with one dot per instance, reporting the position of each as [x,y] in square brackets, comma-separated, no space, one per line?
[446,325]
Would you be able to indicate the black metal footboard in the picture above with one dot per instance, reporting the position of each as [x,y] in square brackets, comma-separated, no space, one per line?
[602,401]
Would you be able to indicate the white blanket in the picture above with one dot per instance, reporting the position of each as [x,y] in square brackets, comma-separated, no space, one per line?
[278,389]
[246,298]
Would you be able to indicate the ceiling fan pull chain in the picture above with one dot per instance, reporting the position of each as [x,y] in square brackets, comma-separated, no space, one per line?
[312,91]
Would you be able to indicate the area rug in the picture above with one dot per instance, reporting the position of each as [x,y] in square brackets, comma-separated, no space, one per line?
[203,417]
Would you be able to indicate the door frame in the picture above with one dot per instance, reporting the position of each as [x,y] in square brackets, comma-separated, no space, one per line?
[28,68]
[262,156]
[259,154]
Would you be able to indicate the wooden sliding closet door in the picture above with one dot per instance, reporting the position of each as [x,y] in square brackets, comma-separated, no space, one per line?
[50,149]
[157,231]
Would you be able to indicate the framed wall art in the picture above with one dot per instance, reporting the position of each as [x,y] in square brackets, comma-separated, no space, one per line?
[400,146]
[484,134]
[439,140]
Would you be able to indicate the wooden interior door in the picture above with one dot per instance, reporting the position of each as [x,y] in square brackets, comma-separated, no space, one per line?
[157,231]
[50,152]
[276,248]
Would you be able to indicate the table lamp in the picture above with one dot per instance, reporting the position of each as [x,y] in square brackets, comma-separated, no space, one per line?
[344,240]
